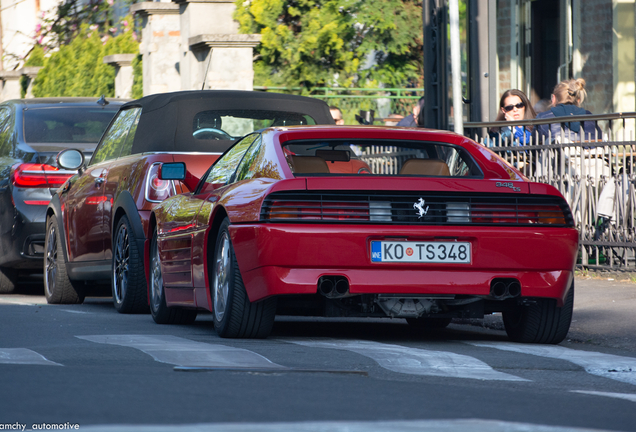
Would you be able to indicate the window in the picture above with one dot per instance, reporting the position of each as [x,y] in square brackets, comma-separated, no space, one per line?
[231,125]
[127,148]
[224,168]
[115,137]
[375,157]
[249,164]
[65,124]
[5,132]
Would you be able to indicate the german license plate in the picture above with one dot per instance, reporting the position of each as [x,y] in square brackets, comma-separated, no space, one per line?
[420,252]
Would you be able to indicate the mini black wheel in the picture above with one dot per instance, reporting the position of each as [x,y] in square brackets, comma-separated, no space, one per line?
[128,280]
[58,288]
[8,278]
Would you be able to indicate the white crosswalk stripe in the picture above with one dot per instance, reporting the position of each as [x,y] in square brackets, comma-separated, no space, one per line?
[24,356]
[626,396]
[183,352]
[415,361]
[473,425]
[605,365]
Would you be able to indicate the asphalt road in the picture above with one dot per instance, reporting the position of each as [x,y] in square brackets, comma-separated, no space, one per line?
[89,366]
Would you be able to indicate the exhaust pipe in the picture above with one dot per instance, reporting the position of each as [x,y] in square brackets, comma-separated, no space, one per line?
[514,289]
[325,286]
[501,289]
[342,286]
[333,286]
[498,290]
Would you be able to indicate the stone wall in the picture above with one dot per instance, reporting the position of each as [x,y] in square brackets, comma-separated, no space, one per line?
[596,54]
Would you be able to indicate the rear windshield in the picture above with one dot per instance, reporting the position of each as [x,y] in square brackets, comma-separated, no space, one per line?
[66,124]
[231,125]
[386,158]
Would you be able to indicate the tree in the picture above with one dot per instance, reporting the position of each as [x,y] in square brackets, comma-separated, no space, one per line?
[335,42]
[78,69]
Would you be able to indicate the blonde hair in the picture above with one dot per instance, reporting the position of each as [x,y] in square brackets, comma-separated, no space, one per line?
[570,92]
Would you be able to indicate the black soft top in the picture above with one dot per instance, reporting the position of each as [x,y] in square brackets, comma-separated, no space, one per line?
[166,119]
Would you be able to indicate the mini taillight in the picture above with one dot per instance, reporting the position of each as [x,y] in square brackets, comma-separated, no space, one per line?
[33,175]
[157,190]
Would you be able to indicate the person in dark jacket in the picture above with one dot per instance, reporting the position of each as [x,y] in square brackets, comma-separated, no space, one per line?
[567,98]
[513,106]
[411,120]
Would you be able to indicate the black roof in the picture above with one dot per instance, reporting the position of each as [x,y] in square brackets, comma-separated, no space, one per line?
[166,118]
[66,101]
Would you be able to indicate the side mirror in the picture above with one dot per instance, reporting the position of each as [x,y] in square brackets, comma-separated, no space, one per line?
[177,171]
[70,159]
[172,171]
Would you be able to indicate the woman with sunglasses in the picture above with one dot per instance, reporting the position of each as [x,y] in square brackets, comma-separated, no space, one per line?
[513,106]
[567,98]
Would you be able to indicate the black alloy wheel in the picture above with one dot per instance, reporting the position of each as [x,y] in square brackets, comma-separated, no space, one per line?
[128,278]
[58,288]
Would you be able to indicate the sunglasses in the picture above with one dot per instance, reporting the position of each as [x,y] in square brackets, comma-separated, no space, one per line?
[509,108]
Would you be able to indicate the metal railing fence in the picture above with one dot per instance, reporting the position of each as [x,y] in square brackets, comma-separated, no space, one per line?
[594,172]
[383,101]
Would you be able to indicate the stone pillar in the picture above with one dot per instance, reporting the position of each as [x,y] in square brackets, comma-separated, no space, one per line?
[10,85]
[31,72]
[215,41]
[123,73]
[225,61]
[160,39]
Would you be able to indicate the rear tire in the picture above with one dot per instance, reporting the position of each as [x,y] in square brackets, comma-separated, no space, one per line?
[541,322]
[58,288]
[161,313]
[8,279]
[129,288]
[234,315]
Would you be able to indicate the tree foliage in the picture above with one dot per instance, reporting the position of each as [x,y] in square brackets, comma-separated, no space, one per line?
[78,69]
[335,42]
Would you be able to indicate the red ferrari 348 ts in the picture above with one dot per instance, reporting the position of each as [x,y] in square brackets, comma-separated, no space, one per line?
[362,221]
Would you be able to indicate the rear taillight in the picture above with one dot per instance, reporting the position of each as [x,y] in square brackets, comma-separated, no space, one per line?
[325,211]
[157,190]
[34,175]
[523,214]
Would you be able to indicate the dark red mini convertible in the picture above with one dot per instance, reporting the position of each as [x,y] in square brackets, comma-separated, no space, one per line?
[97,222]
[362,221]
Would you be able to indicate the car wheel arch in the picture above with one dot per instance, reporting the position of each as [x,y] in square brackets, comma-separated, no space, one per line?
[55,209]
[125,205]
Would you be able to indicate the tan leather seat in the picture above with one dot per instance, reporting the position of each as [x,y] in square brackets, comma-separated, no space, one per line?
[430,167]
[309,165]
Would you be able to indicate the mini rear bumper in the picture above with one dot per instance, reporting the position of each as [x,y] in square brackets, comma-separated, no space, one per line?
[277,259]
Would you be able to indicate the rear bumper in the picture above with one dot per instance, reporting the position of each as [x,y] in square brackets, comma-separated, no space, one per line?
[278,259]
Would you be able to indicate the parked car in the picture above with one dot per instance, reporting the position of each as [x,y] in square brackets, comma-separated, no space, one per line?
[32,132]
[362,221]
[97,222]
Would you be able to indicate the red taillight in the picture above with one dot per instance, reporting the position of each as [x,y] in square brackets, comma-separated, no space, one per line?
[510,214]
[156,189]
[32,175]
[328,211]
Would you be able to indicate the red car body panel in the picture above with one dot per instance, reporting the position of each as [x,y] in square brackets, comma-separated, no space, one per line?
[281,259]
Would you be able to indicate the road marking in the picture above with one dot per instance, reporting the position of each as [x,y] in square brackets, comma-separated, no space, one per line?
[24,356]
[604,365]
[473,425]
[76,312]
[414,361]
[626,396]
[184,352]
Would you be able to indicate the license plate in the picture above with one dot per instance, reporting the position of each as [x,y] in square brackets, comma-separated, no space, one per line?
[420,252]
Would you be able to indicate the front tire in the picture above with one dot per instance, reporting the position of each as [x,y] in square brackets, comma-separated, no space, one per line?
[58,288]
[540,322]
[8,278]
[234,315]
[161,313]
[128,281]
